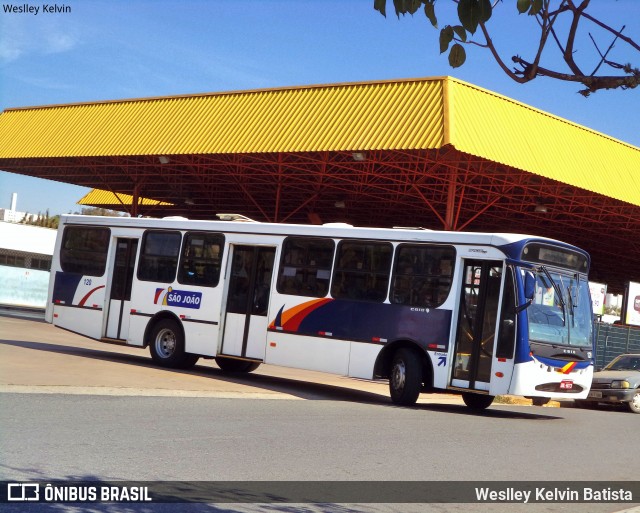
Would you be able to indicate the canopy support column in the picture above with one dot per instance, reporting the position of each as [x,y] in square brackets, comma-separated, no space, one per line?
[450,218]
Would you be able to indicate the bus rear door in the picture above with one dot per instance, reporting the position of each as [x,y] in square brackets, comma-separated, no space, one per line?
[119,302]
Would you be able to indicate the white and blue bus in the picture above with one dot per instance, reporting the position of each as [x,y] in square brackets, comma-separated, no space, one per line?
[480,314]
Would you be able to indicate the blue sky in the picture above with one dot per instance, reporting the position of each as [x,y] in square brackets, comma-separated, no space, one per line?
[114,49]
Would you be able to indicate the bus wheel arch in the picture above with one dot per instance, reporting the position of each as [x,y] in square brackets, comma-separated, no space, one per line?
[165,338]
[408,370]
[382,367]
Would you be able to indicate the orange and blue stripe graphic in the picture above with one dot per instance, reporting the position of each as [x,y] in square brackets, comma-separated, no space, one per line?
[375,323]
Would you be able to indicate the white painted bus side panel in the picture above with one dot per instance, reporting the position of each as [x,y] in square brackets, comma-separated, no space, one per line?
[500,385]
[317,354]
[137,326]
[441,368]
[200,338]
[362,359]
[84,321]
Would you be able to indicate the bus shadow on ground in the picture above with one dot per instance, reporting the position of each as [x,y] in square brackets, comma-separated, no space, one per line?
[301,389]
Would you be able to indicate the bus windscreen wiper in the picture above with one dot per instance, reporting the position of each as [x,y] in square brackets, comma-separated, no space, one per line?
[556,288]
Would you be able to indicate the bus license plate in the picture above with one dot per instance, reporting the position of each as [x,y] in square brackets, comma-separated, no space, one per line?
[566,385]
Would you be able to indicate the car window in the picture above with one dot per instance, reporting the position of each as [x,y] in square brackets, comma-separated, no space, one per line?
[626,363]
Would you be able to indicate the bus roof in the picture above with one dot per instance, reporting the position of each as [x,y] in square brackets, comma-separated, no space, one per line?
[337,230]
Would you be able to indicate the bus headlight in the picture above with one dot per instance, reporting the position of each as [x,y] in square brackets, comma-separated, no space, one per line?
[620,384]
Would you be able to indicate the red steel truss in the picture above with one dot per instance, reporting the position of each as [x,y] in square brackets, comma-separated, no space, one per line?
[436,189]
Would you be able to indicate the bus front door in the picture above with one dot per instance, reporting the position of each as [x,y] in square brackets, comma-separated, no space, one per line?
[477,321]
[245,325]
[118,309]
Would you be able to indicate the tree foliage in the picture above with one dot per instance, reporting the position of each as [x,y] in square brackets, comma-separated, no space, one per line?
[99,211]
[559,23]
[44,220]
[48,221]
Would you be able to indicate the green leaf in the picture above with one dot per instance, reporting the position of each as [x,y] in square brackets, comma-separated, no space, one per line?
[430,12]
[457,56]
[413,6]
[446,36]
[536,7]
[469,14]
[485,10]
[399,5]
[406,6]
[523,6]
[460,32]
[380,6]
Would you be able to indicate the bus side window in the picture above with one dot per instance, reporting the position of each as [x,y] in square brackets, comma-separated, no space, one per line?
[362,271]
[201,257]
[305,266]
[84,250]
[159,256]
[422,275]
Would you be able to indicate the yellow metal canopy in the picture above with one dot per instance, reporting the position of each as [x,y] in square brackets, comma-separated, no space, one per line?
[97,197]
[390,115]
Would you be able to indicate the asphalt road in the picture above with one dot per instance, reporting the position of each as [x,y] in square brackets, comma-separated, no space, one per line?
[74,409]
[149,438]
[87,437]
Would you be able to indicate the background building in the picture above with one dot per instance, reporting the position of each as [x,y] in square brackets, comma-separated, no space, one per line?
[25,260]
[11,215]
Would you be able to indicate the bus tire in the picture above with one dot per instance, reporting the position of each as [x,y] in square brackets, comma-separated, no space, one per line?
[233,365]
[540,401]
[405,378]
[166,345]
[477,401]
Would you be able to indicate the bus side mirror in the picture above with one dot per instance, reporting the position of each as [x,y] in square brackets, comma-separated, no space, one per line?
[529,291]
[529,286]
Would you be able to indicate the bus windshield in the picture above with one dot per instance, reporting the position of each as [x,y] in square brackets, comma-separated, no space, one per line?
[560,312]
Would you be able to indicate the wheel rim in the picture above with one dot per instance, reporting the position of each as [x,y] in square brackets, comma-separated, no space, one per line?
[398,376]
[165,343]
[635,402]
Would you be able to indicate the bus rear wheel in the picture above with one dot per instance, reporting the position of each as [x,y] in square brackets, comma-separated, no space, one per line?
[233,365]
[477,401]
[166,345]
[405,380]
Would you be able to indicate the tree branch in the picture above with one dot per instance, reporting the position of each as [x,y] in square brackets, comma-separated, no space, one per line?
[592,83]
[568,51]
[496,56]
[626,39]
[603,58]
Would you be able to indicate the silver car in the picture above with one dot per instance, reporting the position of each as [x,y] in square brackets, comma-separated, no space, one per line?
[617,383]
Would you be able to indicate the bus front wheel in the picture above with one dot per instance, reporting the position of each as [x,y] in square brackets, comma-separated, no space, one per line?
[233,365]
[405,381]
[477,401]
[166,345]
[540,401]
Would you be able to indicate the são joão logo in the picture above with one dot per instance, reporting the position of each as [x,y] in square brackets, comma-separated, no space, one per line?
[181,298]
